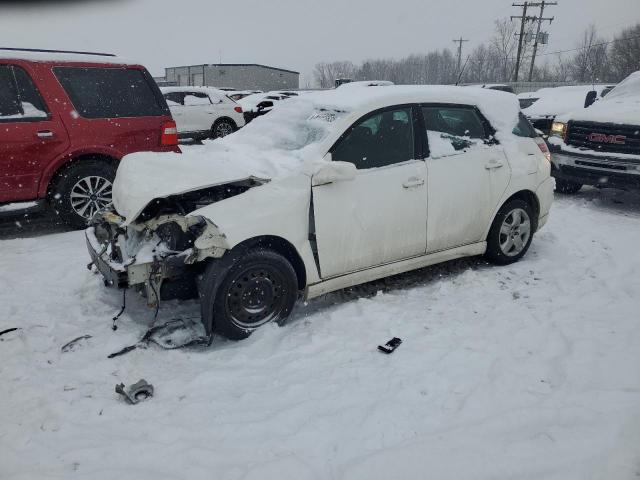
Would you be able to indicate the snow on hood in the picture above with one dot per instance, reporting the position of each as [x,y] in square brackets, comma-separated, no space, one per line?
[621,105]
[286,141]
[557,100]
[272,146]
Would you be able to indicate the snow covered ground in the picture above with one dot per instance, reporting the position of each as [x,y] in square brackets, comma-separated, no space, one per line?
[530,371]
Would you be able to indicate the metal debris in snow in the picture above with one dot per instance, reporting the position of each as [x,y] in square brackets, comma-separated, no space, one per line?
[390,346]
[137,392]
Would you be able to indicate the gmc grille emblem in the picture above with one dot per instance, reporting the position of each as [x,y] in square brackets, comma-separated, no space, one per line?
[604,138]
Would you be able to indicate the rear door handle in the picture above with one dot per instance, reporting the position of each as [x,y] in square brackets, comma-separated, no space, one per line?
[493,164]
[413,182]
[45,134]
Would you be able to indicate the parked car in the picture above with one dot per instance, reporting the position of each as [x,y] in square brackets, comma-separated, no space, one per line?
[494,86]
[261,103]
[66,120]
[236,95]
[332,189]
[600,145]
[364,83]
[203,112]
[542,106]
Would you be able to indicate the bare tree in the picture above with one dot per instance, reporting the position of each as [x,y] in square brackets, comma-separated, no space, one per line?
[625,52]
[504,43]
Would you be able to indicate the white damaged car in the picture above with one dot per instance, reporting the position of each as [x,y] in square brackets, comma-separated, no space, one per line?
[330,190]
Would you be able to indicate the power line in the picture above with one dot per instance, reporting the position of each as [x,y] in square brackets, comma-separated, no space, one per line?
[587,48]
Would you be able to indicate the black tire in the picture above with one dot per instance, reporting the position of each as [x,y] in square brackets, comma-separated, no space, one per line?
[246,289]
[567,187]
[503,229]
[73,178]
[222,128]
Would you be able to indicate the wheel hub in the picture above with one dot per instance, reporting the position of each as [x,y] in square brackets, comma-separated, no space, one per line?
[90,194]
[255,297]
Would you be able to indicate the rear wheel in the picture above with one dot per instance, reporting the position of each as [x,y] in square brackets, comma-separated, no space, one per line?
[567,186]
[245,290]
[511,233]
[82,189]
[222,128]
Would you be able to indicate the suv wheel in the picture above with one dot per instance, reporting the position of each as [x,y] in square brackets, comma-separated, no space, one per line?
[82,190]
[222,128]
[566,186]
[245,290]
[511,233]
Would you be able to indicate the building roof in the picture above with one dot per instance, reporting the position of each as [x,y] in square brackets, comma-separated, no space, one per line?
[235,65]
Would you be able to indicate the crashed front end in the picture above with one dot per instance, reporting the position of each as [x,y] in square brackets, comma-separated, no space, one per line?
[162,251]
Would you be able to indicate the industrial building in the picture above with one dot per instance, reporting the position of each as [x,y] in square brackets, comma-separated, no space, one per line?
[241,76]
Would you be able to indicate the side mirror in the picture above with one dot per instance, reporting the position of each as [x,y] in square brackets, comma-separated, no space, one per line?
[590,98]
[334,172]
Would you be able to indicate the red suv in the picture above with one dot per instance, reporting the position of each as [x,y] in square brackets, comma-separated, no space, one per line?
[66,119]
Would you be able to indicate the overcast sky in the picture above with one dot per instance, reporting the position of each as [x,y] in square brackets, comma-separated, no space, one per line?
[292,34]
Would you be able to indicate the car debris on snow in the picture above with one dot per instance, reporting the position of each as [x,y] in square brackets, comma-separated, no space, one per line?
[136,392]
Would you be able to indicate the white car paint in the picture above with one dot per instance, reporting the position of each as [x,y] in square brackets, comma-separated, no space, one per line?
[376,222]
[197,109]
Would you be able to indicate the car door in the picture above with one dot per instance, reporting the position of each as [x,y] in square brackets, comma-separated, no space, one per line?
[31,137]
[467,174]
[198,111]
[380,216]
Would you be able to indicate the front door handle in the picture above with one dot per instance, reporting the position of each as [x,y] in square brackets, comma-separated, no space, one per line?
[493,164]
[45,134]
[413,182]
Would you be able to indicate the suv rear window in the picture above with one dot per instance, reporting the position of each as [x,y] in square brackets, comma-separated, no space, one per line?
[110,92]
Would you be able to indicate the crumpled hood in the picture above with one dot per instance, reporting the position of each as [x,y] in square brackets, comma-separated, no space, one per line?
[143,177]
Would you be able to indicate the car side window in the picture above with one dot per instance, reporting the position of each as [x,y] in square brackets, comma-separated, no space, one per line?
[174,98]
[452,130]
[19,97]
[384,138]
[192,99]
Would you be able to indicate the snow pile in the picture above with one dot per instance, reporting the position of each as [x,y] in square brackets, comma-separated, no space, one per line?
[621,105]
[529,371]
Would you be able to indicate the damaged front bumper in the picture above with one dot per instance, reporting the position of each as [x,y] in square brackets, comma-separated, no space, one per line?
[136,255]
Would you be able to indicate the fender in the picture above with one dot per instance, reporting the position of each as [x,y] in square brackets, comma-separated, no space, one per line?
[70,155]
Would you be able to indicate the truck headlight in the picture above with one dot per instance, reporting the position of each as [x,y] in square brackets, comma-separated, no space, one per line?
[558,129]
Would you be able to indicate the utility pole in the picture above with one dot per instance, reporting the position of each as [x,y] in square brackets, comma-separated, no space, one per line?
[535,43]
[523,19]
[459,42]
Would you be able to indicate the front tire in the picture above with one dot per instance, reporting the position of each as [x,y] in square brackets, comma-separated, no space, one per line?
[81,190]
[245,290]
[511,233]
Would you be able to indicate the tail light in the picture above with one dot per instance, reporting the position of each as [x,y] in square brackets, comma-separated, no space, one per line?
[169,135]
[238,109]
[542,145]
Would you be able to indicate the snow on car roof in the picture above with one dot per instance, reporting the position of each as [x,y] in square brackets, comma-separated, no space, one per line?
[294,134]
[193,89]
[621,105]
[34,56]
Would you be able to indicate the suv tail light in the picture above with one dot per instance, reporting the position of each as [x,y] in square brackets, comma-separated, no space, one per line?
[238,109]
[169,135]
[542,145]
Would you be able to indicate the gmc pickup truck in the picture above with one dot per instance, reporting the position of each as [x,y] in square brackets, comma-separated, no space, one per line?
[599,145]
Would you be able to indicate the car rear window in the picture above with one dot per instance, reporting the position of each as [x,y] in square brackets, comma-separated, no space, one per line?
[110,92]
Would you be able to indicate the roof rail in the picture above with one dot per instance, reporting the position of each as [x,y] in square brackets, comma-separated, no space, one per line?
[55,51]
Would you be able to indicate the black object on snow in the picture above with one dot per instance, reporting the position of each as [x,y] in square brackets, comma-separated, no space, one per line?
[69,346]
[9,330]
[137,392]
[390,346]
